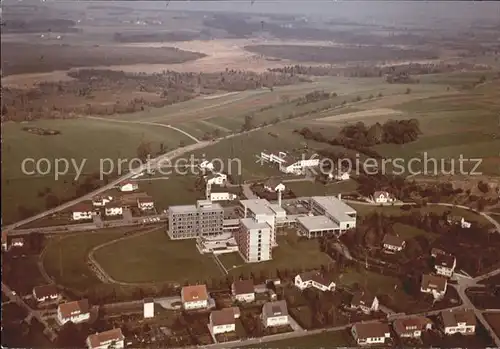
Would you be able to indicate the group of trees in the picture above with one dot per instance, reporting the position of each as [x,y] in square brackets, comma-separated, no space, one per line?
[392,131]
[70,98]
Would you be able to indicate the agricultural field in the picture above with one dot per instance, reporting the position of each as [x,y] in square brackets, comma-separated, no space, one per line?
[153,257]
[494,321]
[83,141]
[65,257]
[292,253]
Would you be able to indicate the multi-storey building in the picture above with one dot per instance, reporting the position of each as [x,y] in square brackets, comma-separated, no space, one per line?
[254,240]
[192,221]
[261,211]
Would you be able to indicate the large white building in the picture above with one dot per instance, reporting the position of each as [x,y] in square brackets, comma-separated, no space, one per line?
[329,216]
[254,240]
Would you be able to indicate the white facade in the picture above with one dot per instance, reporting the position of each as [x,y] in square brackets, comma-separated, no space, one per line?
[393,248]
[113,211]
[206,165]
[129,187]
[149,309]
[107,344]
[217,179]
[222,196]
[370,340]
[444,271]
[462,328]
[270,157]
[299,166]
[46,298]
[279,187]
[75,318]
[19,242]
[382,197]
[245,297]
[223,328]
[101,201]
[437,294]
[464,224]
[145,205]
[78,216]
[273,321]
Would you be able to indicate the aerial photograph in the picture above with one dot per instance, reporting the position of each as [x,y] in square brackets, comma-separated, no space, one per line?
[250,174]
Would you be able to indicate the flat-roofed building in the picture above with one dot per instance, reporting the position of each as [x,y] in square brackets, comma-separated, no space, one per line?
[191,221]
[254,240]
[335,209]
[316,226]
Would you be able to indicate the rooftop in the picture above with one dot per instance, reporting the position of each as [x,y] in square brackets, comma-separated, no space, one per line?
[445,260]
[393,240]
[243,287]
[99,339]
[451,318]
[372,330]
[312,223]
[183,209]
[250,224]
[258,206]
[334,207]
[75,307]
[222,317]
[277,209]
[403,326]
[434,282]
[45,291]
[362,299]
[277,308]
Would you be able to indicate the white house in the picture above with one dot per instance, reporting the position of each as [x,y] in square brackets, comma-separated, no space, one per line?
[365,302]
[76,312]
[344,176]
[82,211]
[434,285]
[108,339]
[222,196]
[273,185]
[382,197]
[273,158]
[371,333]
[129,186]
[314,279]
[100,201]
[445,264]
[206,165]
[459,321]
[411,327]
[464,224]
[113,209]
[45,293]
[393,243]
[145,203]
[275,314]
[17,242]
[222,321]
[216,178]
[194,297]
[298,166]
[243,291]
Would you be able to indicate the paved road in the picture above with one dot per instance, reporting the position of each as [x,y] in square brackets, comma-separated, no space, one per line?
[31,312]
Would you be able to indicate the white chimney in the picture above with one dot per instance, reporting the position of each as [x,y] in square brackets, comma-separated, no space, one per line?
[279,198]
[339,196]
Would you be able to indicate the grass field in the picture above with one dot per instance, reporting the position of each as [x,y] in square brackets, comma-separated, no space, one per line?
[80,139]
[336,339]
[309,188]
[153,257]
[290,254]
[65,258]
[494,321]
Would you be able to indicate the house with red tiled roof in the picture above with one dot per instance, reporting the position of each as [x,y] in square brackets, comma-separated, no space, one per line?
[194,297]
[108,339]
[145,203]
[45,293]
[82,211]
[411,327]
[76,312]
[371,333]
[243,290]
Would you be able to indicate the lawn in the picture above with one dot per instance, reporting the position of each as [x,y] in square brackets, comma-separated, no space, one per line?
[409,232]
[231,260]
[334,339]
[291,253]
[83,141]
[174,190]
[153,257]
[307,188]
[65,258]
[494,321]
